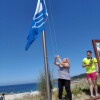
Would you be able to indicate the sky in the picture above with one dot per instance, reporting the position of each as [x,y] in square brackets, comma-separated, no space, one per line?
[70,28]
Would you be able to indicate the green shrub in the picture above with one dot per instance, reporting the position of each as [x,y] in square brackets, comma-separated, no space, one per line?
[77,90]
[42,86]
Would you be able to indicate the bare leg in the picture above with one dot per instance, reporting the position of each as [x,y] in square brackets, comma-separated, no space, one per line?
[91,86]
[95,86]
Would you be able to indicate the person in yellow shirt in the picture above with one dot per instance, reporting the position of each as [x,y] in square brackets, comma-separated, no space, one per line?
[91,66]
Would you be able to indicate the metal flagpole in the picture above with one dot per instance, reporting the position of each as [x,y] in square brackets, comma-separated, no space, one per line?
[46,67]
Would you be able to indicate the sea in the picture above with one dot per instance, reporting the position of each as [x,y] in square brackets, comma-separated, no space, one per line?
[20,88]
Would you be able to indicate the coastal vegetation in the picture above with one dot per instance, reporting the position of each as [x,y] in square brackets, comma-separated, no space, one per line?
[80,90]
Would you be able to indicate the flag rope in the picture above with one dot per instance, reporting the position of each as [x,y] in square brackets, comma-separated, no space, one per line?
[54,32]
[51,36]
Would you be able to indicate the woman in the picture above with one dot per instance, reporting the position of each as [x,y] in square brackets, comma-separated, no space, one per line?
[63,76]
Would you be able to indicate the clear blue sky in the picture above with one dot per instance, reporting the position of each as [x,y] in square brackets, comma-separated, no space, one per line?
[76,23]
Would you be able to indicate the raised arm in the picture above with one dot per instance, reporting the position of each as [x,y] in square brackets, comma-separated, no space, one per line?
[55,62]
[67,64]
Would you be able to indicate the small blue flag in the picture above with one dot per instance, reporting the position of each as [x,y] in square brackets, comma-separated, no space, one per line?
[39,19]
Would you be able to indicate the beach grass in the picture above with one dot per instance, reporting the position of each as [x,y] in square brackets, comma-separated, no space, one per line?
[80,91]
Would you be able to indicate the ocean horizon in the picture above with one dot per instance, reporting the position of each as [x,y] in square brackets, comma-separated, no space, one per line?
[28,87]
[20,88]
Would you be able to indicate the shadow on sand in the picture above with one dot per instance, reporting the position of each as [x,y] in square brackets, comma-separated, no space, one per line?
[87,91]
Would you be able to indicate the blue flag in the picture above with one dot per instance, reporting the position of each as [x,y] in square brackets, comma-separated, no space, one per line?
[39,19]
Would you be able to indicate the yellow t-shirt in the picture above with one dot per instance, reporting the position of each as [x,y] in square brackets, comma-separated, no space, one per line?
[92,68]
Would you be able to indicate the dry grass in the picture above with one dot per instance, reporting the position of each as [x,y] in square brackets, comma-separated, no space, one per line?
[80,92]
[30,97]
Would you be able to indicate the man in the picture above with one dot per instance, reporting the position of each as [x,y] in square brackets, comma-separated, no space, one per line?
[64,76]
[91,66]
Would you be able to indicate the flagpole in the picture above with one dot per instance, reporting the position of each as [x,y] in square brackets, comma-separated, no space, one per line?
[46,66]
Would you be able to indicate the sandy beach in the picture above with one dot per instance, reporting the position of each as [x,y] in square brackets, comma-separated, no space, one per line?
[20,95]
[80,91]
[13,96]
